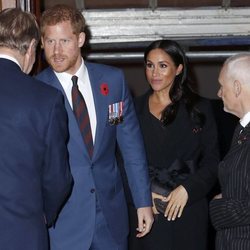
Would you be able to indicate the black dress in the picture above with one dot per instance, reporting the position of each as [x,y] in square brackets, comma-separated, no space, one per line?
[179,140]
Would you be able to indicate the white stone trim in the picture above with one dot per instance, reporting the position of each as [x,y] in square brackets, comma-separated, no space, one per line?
[135,25]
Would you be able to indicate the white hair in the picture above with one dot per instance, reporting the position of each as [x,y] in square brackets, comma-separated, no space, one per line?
[237,67]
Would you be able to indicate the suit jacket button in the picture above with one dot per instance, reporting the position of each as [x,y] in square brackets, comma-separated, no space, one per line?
[92,190]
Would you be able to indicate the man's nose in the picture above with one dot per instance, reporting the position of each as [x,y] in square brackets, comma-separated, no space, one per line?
[57,48]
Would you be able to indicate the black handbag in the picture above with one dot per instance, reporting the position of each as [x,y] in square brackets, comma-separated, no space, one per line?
[164,180]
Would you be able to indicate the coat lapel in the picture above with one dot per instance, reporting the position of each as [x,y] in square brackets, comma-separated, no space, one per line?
[239,138]
[101,105]
[73,126]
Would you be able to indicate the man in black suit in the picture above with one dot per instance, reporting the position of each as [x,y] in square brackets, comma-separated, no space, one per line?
[34,172]
[230,210]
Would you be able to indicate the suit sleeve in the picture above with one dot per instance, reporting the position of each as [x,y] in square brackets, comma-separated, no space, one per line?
[132,149]
[234,211]
[199,184]
[57,179]
[227,213]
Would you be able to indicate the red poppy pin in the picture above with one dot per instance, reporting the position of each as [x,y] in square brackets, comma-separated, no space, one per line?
[104,88]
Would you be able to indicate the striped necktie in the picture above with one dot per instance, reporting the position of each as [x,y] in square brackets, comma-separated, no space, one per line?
[82,116]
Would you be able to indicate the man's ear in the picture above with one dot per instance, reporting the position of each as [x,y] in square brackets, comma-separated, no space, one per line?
[81,39]
[237,88]
[32,46]
[29,57]
[31,50]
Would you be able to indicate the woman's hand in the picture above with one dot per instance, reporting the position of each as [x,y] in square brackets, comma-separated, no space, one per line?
[177,200]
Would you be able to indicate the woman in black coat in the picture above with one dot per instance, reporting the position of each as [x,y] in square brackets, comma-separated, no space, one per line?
[180,137]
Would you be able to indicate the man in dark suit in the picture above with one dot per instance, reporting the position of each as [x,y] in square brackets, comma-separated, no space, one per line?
[34,173]
[230,210]
[95,216]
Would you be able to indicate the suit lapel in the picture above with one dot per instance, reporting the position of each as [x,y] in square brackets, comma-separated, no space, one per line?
[101,105]
[73,126]
[239,138]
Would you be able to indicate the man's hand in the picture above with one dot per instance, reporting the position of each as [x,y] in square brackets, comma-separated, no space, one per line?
[145,221]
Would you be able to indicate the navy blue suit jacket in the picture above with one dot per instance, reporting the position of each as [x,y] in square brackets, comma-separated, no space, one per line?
[34,172]
[99,177]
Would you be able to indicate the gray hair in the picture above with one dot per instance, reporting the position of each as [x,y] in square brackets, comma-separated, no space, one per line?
[237,67]
[17,29]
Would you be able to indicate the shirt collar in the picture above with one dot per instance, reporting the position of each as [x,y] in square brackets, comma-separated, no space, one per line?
[80,73]
[64,75]
[10,58]
[245,119]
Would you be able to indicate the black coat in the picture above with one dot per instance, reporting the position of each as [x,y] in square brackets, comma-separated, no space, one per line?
[183,141]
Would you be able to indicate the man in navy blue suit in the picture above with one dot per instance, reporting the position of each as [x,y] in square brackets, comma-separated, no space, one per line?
[95,216]
[34,173]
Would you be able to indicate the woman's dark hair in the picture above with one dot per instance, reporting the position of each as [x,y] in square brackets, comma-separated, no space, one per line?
[181,88]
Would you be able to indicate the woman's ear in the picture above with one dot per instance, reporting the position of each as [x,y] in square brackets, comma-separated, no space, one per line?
[179,69]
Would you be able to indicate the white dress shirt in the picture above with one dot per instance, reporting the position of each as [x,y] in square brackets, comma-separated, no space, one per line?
[245,119]
[86,90]
[10,58]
